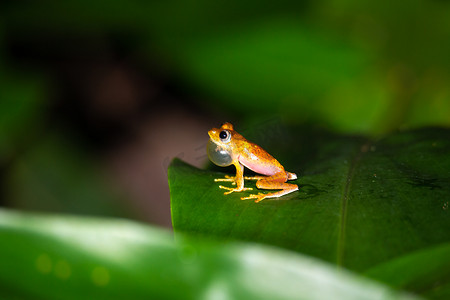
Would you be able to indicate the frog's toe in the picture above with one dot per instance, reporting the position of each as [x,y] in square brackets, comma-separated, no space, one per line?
[231,190]
[258,197]
[251,196]
[226,179]
[226,188]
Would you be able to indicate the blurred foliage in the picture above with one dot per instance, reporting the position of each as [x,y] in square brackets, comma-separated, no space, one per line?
[64,257]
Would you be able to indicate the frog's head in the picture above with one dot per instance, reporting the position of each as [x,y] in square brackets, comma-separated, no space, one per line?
[222,136]
[221,145]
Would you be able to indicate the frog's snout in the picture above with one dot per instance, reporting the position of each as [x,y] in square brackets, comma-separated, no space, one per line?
[212,132]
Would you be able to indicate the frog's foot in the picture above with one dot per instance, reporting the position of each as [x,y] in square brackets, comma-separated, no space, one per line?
[227,178]
[258,197]
[231,190]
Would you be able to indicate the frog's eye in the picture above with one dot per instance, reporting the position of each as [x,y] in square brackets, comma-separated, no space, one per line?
[225,136]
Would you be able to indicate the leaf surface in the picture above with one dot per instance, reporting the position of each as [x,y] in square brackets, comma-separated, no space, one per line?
[361,204]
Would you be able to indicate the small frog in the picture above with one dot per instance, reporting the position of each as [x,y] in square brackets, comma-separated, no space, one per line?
[227,147]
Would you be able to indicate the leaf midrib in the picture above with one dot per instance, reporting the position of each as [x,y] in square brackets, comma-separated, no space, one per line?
[344,201]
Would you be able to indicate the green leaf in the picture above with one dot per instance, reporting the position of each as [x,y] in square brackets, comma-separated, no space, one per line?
[65,257]
[363,205]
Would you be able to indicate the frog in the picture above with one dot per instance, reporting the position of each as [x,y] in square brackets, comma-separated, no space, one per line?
[226,147]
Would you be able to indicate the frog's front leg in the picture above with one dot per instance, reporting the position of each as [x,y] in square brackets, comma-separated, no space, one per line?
[238,180]
[232,179]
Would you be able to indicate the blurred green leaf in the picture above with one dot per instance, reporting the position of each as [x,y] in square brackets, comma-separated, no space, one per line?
[361,203]
[64,257]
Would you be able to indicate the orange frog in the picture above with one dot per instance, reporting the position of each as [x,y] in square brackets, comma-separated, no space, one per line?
[227,147]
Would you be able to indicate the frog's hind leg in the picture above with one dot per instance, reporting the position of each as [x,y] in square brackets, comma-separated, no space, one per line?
[287,188]
[275,182]
[256,177]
